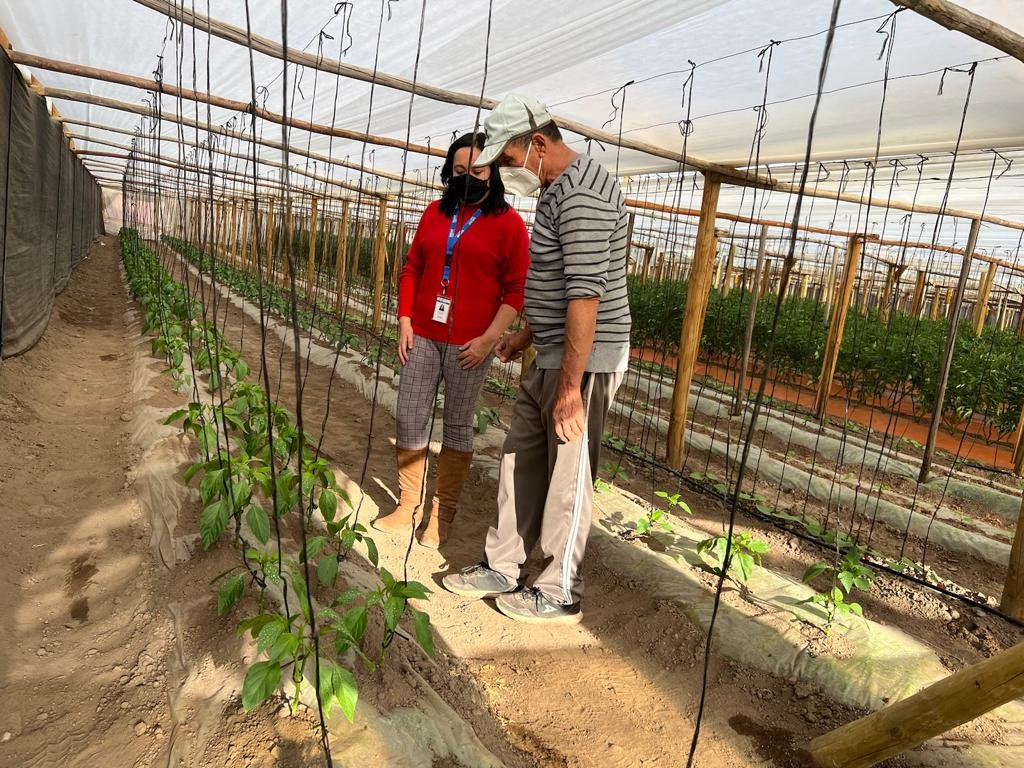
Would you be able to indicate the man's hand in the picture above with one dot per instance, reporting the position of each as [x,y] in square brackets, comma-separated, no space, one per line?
[570,419]
[511,345]
[473,353]
[405,338]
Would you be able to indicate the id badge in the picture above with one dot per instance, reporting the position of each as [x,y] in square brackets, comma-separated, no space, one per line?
[441,309]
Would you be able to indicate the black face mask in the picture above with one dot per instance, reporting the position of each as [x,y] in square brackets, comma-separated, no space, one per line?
[467,188]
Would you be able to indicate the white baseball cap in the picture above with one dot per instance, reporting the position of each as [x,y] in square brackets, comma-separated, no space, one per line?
[514,116]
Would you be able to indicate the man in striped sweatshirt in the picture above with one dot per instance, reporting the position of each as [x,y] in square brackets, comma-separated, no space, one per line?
[578,320]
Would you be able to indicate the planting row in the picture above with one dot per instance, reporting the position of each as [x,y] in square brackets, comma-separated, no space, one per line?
[261,481]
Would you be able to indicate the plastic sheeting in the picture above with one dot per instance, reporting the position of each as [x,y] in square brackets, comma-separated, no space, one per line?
[574,59]
[50,210]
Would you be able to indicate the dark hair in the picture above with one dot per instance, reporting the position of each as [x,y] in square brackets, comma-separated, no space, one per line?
[494,202]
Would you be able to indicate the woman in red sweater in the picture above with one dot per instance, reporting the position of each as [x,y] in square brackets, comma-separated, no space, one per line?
[460,290]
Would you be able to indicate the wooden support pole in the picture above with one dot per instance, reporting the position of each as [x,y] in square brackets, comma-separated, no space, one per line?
[286,240]
[648,253]
[892,278]
[918,303]
[947,357]
[947,302]
[1018,446]
[311,253]
[659,270]
[805,281]
[936,298]
[952,701]
[380,252]
[729,268]
[837,323]
[1012,603]
[748,336]
[341,260]
[271,224]
[766,278]
[984,292]
[254,255]
[693,318]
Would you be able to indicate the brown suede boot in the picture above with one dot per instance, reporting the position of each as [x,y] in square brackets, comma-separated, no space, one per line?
[452,467]
[411,467]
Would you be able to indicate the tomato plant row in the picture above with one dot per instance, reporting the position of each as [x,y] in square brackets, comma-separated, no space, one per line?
[890,358]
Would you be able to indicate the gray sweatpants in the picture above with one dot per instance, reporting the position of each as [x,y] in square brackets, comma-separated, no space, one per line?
[431,362]
[546,488]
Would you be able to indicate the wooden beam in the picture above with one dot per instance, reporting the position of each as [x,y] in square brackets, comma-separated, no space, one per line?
[952,701]
[837,324]
[919,286]
[947,357]
[693,319]
[120,78]
[959,19]
[1012,603]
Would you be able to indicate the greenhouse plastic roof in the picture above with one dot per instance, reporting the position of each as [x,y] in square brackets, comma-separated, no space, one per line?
[577,57]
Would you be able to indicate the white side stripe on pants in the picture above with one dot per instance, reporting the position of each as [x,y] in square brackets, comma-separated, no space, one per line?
[577,502]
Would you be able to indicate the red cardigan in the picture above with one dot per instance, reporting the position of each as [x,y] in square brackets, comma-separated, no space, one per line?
[489,267]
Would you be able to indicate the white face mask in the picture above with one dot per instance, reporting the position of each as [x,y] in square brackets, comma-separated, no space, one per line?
[520,180]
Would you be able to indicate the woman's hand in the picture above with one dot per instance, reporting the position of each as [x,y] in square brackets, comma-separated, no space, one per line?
[473,353]
[405,337]
[511,345]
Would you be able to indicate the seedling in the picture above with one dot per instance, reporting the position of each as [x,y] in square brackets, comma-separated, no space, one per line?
[744,554]
[485,417]
[849,573]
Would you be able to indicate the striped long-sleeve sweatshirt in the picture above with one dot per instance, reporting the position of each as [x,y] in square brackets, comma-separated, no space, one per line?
[578,250]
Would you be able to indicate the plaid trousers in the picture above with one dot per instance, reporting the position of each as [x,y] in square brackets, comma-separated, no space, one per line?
[431,362]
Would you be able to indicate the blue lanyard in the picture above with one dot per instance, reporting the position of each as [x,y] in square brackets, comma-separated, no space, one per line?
[453,239]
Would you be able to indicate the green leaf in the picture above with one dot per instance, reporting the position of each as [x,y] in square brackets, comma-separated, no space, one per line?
[347,597]
[256,624]
[230,592]
[269,634]
[338,686]
[259,523]
[193,470]
[387,578]
[328,504]
[643,525]
[211,484]
[260,683]
[241,370]
[327,569]
[394,607]
[846,579]
[815,570]
[284,647]
[371,550]
[314,547]
[352,628]
[744,564]
[862,584]
[212,523]
[413,590]
[855,607]
[424,635]
[180,413]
